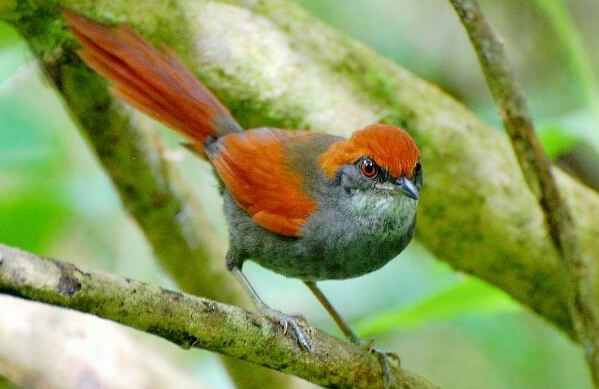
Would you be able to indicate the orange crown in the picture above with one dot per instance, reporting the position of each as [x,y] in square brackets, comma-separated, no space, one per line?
[388,146]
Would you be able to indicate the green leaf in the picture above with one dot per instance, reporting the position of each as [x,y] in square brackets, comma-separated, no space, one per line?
[559,134]
[8,35]
[468,297]
[31,218]
[557,140]
[576,54]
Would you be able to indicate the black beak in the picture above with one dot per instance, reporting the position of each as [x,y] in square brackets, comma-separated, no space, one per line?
[408,188]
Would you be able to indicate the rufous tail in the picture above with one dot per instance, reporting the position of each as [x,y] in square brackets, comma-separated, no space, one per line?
[156,83]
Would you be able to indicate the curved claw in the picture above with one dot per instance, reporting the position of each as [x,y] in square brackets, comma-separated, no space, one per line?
[382,357]
[369,346]
[285,321]
[389,354]
[388,379]
[285,326]
[302,339]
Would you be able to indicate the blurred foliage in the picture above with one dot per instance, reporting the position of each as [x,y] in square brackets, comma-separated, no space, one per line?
[8,36]
[6,384]
[55,199]
[468,297]
[556,139]
[580,62]
[34,207]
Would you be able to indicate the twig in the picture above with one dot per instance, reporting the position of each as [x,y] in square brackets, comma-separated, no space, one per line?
[537,170]
[195,322]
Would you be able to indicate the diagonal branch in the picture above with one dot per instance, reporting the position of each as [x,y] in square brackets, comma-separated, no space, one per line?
[195,322]
[537,170]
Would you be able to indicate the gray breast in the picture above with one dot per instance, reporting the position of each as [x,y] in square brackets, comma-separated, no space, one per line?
[351,236]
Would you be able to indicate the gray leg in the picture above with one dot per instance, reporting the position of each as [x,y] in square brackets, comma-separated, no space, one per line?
[285,320]
[351,335]
[343,326]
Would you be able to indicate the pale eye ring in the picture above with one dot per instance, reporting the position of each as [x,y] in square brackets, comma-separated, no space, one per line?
[369,168]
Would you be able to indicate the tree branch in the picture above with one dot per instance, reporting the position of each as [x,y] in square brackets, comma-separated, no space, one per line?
[195,322]
[536,168]
[47,347]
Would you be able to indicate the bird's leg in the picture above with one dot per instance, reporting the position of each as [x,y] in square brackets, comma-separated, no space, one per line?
[351,335]
[286,321]
[343,326]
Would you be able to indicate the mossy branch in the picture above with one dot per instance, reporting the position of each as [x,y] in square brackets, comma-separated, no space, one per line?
[196,322]
[537,169]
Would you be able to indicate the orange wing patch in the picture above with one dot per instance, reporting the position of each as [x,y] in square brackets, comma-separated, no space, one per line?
[389,146]
[253,167]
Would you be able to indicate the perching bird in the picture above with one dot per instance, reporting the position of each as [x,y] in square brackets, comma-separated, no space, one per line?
[305,205]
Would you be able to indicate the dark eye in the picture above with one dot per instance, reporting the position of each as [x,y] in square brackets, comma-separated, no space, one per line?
[369,168]
[417,170]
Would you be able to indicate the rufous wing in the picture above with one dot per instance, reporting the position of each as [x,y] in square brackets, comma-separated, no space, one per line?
[254,169]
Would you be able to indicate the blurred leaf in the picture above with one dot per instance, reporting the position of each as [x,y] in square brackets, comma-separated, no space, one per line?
[31,218]
[33,205]
[11,58]
[558,135]
[468,297]
[8,35]
[557,140]
[579,61]
[6,384]
[26,142]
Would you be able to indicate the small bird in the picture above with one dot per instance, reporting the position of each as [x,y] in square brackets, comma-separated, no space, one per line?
[306,205]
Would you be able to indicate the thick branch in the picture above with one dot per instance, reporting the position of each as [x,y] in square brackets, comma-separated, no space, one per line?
[537,170]
[47,347]
[195,322]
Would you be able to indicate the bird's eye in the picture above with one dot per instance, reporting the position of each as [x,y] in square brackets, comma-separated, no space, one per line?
[417,169]
[369,168]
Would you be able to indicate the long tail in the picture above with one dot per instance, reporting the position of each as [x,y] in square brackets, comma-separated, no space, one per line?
[156,83]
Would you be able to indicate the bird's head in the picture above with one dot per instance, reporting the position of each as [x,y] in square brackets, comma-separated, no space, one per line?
[380,161]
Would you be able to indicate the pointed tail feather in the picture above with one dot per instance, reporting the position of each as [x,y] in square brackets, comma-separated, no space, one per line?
[156,83]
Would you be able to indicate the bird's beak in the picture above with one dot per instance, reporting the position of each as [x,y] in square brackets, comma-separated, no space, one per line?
[407,187]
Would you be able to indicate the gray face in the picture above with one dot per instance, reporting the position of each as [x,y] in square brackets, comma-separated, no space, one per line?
[365,177]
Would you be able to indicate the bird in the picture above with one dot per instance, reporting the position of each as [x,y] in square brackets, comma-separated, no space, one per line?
[306,205]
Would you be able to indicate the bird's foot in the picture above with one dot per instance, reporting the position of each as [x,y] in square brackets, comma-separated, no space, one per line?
[287,321]
[385,359]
